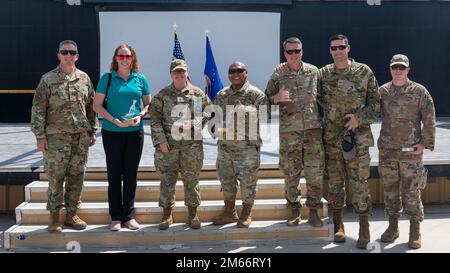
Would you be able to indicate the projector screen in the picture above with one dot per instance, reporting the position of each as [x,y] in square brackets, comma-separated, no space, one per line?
[250,37]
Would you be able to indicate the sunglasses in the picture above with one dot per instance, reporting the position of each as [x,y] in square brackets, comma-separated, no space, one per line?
[340,47]
[236,70]
[398,67]
[293,51]
[71,52]
[123,57]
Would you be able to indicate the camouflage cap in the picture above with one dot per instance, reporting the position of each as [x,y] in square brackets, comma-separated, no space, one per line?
[348,144]
[400,59]
[178,64]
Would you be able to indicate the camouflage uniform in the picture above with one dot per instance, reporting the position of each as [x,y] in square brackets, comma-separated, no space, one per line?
[300,133]
[402,109]
[185,156]
[239,158]
[353,90]
[63,114]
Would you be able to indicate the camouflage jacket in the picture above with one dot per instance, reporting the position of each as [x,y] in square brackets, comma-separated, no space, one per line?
[403,110]
[303,112]
[170,101]
[249,96]
[63,103]
[353,90]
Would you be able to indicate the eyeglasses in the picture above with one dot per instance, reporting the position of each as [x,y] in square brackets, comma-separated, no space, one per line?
[293,51]
[236,70]
[71,52]
[398,67]
[123,57]
[340,47]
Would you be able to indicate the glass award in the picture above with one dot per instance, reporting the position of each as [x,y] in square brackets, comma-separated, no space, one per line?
[408,145]
[131,112]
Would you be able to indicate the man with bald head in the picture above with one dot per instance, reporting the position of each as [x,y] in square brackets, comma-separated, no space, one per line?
[239,144]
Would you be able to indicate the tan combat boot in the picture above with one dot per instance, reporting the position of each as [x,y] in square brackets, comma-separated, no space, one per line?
[414,234]
[72,220]
[246,216]
[339,232]
[314,218]
[167,218]
[228,215]
[193,220]
[392,231]
[294,219]
[364,233]
[54,226]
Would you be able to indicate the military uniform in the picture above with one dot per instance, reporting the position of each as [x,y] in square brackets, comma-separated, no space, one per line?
[353,90]
[239,158]
[186,155]
[63,114]
[300,133]
[403,110]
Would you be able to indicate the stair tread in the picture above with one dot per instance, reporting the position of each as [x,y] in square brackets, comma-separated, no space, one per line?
[86,207]
[176,228]
[41,186]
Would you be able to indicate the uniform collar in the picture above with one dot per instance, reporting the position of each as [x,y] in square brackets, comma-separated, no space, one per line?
[186,90]
[347,69]
[63,75]
[403,87]
[301,70]
[244,87]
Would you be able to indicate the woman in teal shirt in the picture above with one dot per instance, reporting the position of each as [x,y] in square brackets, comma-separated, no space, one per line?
[122,131]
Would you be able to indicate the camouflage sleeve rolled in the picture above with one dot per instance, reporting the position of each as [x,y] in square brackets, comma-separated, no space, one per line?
[261,99]
[370,111]
[205,114]
[319,87]
[429,121]
[90,114]
[271,89]
[156,113]
[39,110]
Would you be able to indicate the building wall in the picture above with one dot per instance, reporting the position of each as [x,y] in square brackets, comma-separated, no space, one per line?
[32,29]
[30,33]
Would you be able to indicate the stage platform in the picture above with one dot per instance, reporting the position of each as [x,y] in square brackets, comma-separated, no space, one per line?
[21,162]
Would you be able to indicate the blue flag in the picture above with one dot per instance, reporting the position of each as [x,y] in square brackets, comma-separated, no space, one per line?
[177,52]
[213,82]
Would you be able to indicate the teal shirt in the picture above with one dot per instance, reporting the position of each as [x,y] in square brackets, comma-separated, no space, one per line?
[124,97]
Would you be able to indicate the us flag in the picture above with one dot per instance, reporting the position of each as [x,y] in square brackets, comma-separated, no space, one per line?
[177,52]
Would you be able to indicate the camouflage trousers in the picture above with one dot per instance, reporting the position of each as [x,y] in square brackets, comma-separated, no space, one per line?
[356,171]
[403,176]
[66,159]
[186,160]
[302,150]
[235,163]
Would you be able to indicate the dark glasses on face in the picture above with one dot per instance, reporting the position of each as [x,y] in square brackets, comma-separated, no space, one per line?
[293,51]
[123,57]
[236,70]
[340,47]
[398,67]
[65,52]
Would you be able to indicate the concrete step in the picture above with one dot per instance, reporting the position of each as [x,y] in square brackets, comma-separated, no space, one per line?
[36,237]
[151,213]
[266,170]
[97,191]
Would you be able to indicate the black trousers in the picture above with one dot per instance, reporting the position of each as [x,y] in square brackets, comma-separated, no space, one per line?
[123,152]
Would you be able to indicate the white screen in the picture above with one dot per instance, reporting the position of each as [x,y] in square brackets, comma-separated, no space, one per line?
[250,37]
